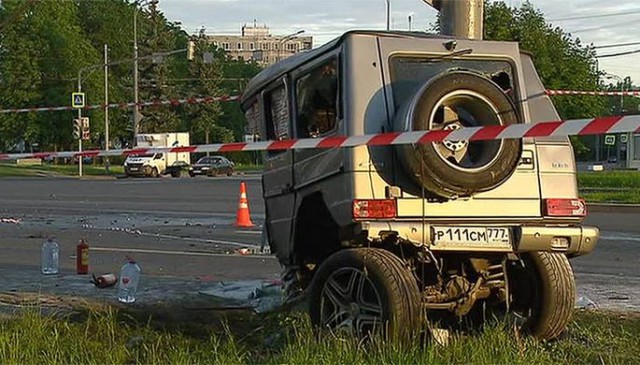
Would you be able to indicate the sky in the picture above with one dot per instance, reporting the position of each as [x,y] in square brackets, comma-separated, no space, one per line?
[598,22]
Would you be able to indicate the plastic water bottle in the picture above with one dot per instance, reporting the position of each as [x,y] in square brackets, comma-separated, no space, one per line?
[50,257]
[128,282]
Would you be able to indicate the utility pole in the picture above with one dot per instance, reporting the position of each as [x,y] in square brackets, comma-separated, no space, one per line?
[80,121]
[388,12]
[135,76]
[106,105]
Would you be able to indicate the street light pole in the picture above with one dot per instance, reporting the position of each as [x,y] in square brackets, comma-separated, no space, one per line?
[106,97]
[135,76]
[106,105]
[80,122]
[285,39]
[388,12]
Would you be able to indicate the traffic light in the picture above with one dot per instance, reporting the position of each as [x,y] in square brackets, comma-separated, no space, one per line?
[77,127]
[86,135]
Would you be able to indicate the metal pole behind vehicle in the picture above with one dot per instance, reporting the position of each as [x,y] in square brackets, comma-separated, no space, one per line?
[460,18]
[388,13]
[80,121]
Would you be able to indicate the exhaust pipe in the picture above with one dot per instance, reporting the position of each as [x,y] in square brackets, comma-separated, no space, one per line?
[460,18]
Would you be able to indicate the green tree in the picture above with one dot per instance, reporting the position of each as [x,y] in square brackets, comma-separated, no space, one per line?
[205,77]
[20,77]
[156,36]
[43,45]
[237,74]
[111,23]
[562,61]
[42,50]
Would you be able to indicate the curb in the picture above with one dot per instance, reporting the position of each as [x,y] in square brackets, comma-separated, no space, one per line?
[97,177]
[613,208]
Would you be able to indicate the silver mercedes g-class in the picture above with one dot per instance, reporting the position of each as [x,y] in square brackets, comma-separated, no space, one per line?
[380,237]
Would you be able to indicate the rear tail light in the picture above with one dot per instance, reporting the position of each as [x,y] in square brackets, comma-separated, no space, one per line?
[374,208]
[565,208]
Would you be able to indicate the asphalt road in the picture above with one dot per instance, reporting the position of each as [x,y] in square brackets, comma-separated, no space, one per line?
[183,228]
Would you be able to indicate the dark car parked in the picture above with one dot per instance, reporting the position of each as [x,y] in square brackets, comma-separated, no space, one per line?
[212,166]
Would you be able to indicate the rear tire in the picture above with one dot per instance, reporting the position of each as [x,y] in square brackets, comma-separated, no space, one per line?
[544,293]
[365,291]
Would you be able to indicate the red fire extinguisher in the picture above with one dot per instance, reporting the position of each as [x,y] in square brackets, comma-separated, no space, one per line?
[82,257]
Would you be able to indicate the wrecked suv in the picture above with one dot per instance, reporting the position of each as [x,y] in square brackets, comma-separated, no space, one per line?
[378,237]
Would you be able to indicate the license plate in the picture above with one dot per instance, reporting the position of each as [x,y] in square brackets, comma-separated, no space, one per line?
[476,237]
[133,169]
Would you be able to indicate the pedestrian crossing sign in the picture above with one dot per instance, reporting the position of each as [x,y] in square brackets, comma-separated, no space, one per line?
[77,100]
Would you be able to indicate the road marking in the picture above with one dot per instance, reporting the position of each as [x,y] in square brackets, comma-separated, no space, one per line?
[138,232]
[179,253]
[205,240]
[607,276]
[249,232]
[620,237]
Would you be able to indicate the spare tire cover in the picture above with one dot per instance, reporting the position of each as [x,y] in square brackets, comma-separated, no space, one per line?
[452,101]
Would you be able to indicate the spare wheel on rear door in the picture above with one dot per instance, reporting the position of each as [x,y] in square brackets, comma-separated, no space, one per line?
[452,101]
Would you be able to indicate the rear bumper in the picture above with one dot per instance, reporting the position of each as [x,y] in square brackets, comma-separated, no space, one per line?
[199,172]
[577,240]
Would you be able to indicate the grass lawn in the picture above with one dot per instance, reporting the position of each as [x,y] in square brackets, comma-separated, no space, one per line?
[610,179]
[12,170]
[110,337]
[7,170]
[610,186]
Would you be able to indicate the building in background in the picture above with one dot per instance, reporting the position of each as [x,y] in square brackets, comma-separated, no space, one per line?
[255,43]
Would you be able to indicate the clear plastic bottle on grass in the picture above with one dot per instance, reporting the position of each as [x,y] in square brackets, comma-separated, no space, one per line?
[128,281]
[50,257]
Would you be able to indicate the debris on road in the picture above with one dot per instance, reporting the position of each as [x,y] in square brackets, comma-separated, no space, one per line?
[104,281]
[10,220]
[260,295]
[585,303]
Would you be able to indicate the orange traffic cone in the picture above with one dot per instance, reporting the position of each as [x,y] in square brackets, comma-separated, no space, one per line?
[243,218]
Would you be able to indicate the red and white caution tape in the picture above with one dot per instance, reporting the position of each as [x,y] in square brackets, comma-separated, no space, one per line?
[155,103]
[211,99]
[580,127]
[593,93]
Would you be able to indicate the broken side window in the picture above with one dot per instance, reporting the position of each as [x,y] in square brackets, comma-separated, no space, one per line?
[253,116]
[277,114]
[317,100]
